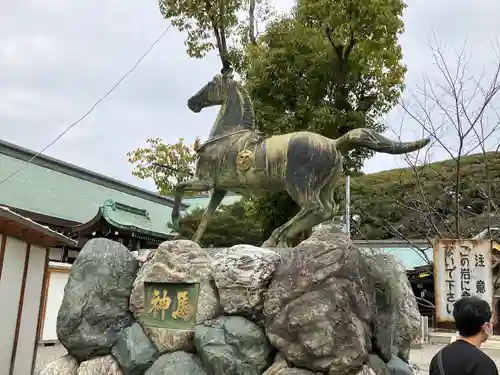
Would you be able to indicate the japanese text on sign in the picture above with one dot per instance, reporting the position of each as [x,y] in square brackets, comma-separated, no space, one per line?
[170,305]
[462,268]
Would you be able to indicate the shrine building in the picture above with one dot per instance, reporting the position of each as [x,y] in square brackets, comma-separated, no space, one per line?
[81,204]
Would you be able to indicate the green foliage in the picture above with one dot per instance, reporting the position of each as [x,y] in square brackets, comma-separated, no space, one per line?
[202,20]
[302,79]
[166,164]
[421,204]
[231,225]
[210,24]
[330,67]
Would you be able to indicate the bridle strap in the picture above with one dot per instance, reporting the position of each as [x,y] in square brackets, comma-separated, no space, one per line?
[213,140]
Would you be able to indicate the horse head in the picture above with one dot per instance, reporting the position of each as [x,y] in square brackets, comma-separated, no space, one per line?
[214,92]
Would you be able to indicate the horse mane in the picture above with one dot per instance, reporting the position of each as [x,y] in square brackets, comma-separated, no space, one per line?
[248,117]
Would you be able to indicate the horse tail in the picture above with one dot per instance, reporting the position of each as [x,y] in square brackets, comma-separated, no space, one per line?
[372,140]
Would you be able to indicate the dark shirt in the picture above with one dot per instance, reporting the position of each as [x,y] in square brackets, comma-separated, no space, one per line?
[462,358]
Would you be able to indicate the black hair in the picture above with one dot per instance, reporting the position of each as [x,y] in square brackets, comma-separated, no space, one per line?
[470,313]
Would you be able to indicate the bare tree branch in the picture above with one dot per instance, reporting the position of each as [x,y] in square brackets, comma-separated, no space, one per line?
[455,111]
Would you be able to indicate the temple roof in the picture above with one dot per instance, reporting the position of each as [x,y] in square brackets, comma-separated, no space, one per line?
[125,217]
[56,189]
[13,224]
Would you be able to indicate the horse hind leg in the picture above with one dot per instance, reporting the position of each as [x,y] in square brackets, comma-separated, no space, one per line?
[316,207]
[306,219]
[327,199]
[311,211]
[280,236]
[321,211]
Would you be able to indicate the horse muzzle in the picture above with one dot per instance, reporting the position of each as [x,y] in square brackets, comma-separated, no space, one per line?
[194,106]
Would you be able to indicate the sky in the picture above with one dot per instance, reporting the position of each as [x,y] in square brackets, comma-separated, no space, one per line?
[57,58]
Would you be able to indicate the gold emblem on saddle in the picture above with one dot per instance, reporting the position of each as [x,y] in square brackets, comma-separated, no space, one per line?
[244,160]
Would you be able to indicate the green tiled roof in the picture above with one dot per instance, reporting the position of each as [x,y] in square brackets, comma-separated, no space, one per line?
[407,256]
[202,202]
[51,187]
[122,216]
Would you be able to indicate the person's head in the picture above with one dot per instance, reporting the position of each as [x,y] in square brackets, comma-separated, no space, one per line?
[473,318]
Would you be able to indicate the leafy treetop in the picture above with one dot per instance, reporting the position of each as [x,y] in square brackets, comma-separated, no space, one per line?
[329,67]
[208,23]
[166,164]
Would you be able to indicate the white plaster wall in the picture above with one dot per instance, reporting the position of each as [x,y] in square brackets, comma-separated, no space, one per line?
[10,292]
[55,293]
[31,309]
[56,254]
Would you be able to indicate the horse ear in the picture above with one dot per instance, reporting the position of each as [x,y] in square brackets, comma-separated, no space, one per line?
[228,73]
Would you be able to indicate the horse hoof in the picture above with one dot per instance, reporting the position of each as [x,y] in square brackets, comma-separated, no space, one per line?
[283,244]
[269,244]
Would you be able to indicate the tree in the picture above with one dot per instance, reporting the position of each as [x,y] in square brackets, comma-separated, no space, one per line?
[457,198]
[458,110]
[329,67]
[328,70]
[211,24]
[166,164]
[231,225]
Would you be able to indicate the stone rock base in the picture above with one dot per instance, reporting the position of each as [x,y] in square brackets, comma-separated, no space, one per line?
[313,309]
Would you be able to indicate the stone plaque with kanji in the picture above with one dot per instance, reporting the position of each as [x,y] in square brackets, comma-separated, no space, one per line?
[170,305]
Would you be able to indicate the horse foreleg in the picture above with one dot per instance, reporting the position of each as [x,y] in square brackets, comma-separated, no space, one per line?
[189,185]
[215,199]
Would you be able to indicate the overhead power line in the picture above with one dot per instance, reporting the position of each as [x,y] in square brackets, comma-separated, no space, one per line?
[101,99]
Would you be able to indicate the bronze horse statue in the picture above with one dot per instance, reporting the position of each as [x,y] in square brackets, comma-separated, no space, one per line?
[237,158]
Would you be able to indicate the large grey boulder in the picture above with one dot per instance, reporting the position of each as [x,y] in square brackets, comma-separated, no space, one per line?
[378,366]
[133,351]
[176,261]
[318,309]
[101,365]
[328,303]
[142,255]
[397,366]
[177,363]
[281,367]
[95,306]
[242,274]
[232,346]
[65,365]
[397,319]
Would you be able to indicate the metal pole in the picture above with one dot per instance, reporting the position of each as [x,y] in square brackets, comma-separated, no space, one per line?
[348,205]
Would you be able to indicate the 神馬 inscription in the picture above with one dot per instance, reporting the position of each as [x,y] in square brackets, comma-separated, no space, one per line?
[170,305]
[461,269]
